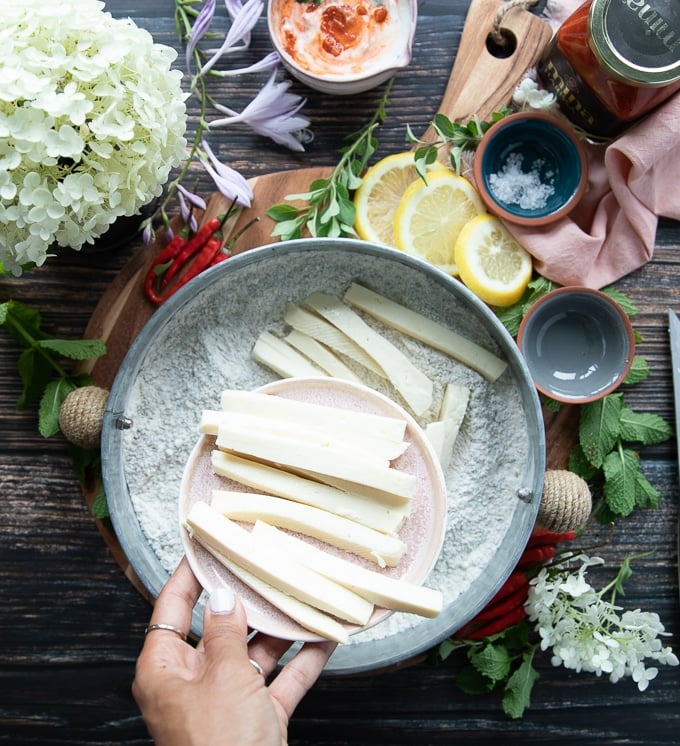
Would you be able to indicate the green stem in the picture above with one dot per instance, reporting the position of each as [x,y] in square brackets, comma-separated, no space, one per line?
[31,342]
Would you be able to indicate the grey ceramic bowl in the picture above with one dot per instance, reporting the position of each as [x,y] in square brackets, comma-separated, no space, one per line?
[199,343]
[578,343]
[344,82]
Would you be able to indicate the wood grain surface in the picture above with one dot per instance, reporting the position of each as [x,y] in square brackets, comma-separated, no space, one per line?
[72,623]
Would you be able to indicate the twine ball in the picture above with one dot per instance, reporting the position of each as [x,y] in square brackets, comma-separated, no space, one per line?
[566,502]
[82,414]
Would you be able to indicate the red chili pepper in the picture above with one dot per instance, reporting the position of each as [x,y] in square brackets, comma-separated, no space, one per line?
[542,536]
[496,626]
[536,556]
[504,607]
[516,579]
[192,246]
[202,261]
[174,246]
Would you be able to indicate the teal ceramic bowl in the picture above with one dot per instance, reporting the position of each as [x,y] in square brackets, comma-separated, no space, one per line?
[578,344]
[530,169]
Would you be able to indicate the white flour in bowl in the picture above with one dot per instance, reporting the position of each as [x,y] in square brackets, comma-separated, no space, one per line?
[205,348]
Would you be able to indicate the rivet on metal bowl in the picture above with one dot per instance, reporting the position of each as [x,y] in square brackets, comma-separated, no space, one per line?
[525,494]
[122,422]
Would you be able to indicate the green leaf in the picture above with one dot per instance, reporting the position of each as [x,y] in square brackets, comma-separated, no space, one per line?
[492,661]
[35,371]
[100,508]
[627,305]
[599,427]
[643,427]
[639,371]
[282,212]
[621,470]
[579,464]
[471,681]
[645,495]
[48,415]
[74,349]
[517,695]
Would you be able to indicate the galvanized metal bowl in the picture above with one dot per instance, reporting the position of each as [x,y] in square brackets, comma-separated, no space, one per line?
[199,343]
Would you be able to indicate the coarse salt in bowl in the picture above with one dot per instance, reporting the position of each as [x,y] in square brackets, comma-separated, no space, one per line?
[530,168]
[343,48]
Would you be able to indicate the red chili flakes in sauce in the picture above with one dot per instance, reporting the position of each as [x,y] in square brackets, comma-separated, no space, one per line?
[341,25]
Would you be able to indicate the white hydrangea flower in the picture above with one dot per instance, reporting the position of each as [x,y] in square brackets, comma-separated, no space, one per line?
[586,632]
[92,121]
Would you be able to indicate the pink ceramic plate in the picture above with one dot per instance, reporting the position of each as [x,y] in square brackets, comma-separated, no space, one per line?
[422,532]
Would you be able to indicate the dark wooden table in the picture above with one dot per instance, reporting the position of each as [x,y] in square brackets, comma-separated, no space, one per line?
[71,624]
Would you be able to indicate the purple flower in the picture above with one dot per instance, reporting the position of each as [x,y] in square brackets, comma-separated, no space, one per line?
[244,19]
[271,113]
[230,182]
[270,62]
[187,201]
[200,28]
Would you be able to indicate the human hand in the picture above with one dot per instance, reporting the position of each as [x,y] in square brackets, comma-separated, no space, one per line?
[213,694]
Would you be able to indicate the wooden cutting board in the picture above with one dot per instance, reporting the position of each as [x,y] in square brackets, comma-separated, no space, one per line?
[480,82]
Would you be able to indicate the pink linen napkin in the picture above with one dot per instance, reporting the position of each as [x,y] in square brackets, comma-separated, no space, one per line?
[632,181]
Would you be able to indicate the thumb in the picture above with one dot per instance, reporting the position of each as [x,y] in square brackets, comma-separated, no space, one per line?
[224,626]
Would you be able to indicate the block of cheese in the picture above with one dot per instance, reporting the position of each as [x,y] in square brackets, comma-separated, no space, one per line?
[270,480]
[280,357]
[335,460]
[382,590]
[426,330]
[320,355]
[305,615]
[334,433]
[313,325]
[383,549]
[313,414]
[413,385]
[214,531]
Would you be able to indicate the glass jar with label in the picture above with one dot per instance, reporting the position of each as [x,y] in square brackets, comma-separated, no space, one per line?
[612,61]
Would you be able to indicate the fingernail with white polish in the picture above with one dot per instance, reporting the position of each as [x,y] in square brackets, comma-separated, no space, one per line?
[222,601]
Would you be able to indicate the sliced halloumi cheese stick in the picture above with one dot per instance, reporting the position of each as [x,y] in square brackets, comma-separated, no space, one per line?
[380,516]
[350,536]
[390,593]
[280,357]
[432,333]
[331,435]
[335,461]
[451,415]
[313,325]
[215,531]
[377,494]
[313,414]
[305,615]
[320,355]
[413,385]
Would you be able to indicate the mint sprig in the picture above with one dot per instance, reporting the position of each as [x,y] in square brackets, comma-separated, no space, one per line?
[39,363]
[328,210]
[503,661]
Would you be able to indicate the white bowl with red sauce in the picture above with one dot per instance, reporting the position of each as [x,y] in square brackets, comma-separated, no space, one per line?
[343,48]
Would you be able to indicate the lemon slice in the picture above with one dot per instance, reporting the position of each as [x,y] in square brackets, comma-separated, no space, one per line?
[430,217]
[491,262]
[381,189]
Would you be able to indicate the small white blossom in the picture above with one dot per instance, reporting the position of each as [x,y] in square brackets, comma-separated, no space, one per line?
[92,120]
[528,95]
[586,632]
